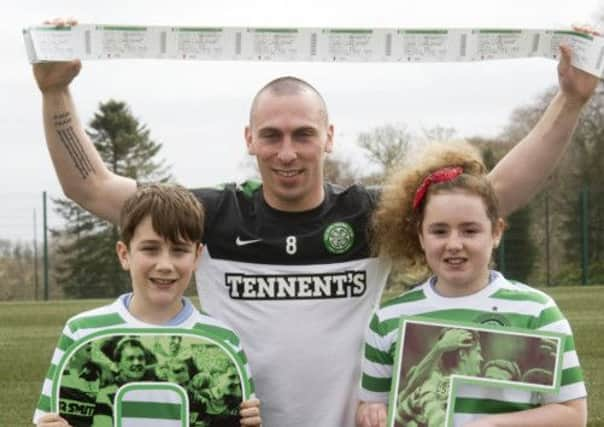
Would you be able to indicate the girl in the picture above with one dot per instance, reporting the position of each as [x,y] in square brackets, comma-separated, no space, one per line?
[441,216]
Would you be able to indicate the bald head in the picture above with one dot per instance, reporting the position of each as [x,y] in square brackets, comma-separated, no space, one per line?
[288,86]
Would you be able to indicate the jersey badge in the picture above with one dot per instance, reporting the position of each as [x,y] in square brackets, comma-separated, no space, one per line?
[494,319]
[338,237]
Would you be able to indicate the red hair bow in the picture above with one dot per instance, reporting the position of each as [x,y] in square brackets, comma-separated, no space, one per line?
[441,175]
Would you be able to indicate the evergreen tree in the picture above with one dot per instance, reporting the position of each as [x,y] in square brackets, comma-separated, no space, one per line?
[86,263]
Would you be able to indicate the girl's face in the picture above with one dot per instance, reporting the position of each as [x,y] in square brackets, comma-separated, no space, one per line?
[458,238]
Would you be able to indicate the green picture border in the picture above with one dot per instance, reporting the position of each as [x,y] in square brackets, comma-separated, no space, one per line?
[152,385]
[244,379]
[457,380]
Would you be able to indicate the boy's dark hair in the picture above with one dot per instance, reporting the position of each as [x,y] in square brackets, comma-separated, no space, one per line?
[176,215]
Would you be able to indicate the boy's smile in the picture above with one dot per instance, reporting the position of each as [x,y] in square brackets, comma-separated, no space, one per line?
[160,271]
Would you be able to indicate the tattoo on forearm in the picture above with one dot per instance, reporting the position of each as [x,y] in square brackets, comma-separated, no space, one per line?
[72,144]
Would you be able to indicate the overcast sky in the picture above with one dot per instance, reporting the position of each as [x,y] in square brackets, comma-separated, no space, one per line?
[198,109]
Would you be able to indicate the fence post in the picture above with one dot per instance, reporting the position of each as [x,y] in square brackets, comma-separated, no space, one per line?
[35,257]
[584,237]
[44,215]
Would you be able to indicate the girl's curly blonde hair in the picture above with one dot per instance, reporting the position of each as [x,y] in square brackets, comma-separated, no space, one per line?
[395,224]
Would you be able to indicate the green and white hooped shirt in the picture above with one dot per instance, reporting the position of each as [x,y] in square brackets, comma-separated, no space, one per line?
[80,390]
[502,302]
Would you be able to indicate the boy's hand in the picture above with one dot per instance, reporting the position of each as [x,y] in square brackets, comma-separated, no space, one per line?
[371,414]
[56,76]
[250,413]
[52,420]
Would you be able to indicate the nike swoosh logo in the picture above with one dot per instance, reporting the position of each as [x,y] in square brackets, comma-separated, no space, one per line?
[240,242]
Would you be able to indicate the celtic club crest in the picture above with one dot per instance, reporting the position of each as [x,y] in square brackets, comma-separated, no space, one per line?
[338,237]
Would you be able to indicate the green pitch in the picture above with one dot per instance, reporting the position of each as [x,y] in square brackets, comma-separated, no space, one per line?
[28,334]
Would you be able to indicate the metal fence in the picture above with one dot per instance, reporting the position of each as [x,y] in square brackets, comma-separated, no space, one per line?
[563,243]
[551,242]
[25,249]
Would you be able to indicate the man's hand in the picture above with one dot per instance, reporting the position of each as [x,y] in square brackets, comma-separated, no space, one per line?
[371,414]
[455,339]
[576,84]
[56,76]
[548,348]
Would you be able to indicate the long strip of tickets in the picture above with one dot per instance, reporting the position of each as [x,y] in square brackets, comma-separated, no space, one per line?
[90,41]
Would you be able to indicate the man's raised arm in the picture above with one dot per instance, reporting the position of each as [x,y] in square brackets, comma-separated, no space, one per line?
[83,176]
[522,172]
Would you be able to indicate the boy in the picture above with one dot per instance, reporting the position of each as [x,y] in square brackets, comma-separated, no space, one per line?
[161,228]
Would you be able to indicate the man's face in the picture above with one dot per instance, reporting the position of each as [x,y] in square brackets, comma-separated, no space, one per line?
[132,363]
[289,136]
[174,344]
[470,362]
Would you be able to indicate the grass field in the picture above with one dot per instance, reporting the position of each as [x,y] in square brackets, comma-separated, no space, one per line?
[28,334]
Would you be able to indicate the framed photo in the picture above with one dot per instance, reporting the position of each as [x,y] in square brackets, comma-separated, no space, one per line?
[133,376]
[446,371]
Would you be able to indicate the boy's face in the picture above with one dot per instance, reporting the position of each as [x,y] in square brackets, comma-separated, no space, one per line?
[160,270]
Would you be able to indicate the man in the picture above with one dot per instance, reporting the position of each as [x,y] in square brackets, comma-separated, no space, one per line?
[79,387]
[130,357]
[175,353]
[287,262]
[426,405]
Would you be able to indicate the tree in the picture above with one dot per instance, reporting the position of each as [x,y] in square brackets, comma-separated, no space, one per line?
[581,187]
[439,134]
[557,212]
[87,266]
[17,270]
[341,172]
[386,145]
